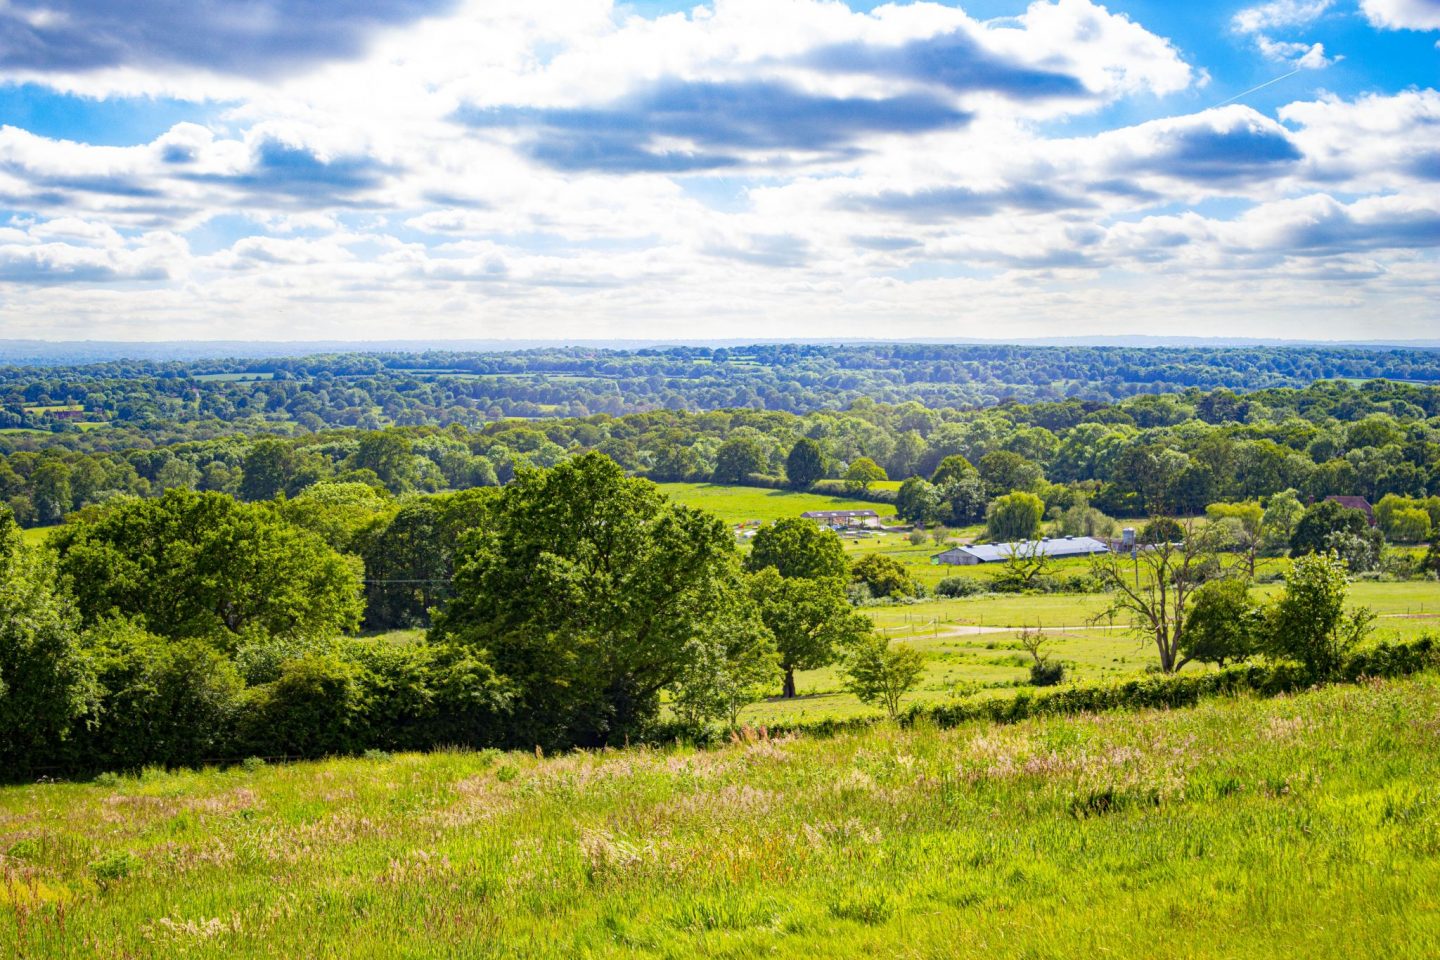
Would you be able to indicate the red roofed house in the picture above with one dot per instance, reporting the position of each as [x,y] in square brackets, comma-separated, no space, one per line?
[1357,503]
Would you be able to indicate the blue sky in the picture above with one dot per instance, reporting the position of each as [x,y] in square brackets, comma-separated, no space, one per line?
[579,168]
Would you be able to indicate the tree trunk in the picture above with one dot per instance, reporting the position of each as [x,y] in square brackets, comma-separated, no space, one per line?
[789,691]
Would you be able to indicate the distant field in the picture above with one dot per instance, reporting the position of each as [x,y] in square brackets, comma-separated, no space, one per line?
[55,408]
[737,505]
[961,662]
[1304,827]
[37,535]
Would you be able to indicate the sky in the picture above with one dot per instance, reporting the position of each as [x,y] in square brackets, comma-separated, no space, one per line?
[586,169]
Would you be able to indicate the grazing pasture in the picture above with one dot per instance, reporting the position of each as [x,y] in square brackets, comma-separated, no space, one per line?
[972,645]
[1305,826]
[736,505]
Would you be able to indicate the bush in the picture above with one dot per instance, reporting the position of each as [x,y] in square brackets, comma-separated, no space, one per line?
[160,702]
[958,586]
[884,576]
[1047,673]
[316,707]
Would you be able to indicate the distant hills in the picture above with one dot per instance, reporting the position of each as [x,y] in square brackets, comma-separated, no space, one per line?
[58,352]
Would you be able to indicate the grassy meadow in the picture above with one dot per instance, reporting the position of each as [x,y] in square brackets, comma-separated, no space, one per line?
[972,645]
[737,505]
[1298,827]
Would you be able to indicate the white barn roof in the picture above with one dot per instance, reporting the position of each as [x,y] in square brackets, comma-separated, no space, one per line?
[1056,547]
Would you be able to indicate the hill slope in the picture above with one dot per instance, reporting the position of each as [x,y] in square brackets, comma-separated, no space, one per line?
[1296,827]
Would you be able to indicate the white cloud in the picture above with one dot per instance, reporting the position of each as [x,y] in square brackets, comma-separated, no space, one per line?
[1279,13]
[1304,56]
[1402,14]
[345,198]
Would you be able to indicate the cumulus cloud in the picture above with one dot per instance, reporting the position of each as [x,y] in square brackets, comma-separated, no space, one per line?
[572,166]
[248,37]
[1278,14]
[675,126]
[954,60]
[1302,56]
[1402,14]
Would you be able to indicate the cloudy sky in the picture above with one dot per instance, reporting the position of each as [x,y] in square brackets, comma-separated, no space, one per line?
[300,169]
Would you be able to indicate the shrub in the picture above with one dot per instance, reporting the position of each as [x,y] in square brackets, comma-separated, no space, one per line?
[316,707]
[114,867]
[1309,623]
[880,673]
[884,576]
[171,703]
[958,586]
[1047,673]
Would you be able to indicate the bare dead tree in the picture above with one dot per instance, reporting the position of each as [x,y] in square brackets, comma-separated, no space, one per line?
[1153,584]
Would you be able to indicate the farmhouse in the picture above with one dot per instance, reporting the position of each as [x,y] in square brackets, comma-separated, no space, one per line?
[1357,503]
[843,518]
[1057,547]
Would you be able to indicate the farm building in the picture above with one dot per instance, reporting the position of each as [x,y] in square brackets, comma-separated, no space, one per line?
[1357,503]
[1058,547]
[843,518]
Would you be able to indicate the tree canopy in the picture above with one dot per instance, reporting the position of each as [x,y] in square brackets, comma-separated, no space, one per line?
[590,593]
[205,565]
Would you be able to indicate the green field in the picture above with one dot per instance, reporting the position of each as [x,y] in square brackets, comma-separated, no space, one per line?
[35,536]
[971,646]
[1298,827]
[54,408]
[736,505]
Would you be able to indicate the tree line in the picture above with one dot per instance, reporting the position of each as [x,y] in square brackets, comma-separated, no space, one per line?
[575,606]
[569,606]
[134,401]
[1133,458]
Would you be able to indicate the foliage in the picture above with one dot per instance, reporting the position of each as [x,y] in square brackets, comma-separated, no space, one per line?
[1308,622]
[1014,516]
[1223,624]
[918,501]
[884,576]
[810,620]
[46,686]
[862,472]
[951,468]
[805,464]
[590,593]
[1321,522]
[1154,587]
[738,458]
[797,547]
[880,672]
[1024,565]
[316,707]
[159,701]
[1044,672]
[1161,530]
[204,565]
[958,586]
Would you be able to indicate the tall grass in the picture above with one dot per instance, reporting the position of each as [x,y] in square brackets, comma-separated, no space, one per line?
[1305,826]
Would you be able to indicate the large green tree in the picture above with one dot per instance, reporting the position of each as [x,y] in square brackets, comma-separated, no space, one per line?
[1015,516]
[204,565]
[805,464]
[862,472]
[1321,522]
[46,685]
[811,620]
[591,594]
[797,547]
